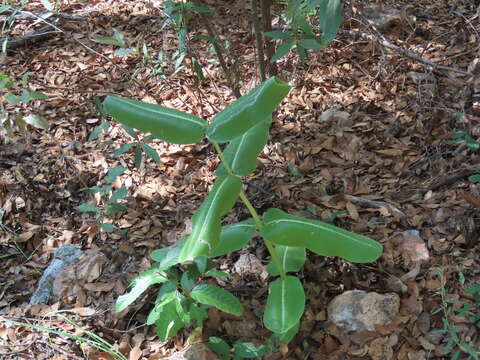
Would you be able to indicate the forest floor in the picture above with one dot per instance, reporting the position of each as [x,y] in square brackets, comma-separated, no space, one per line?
[362,135]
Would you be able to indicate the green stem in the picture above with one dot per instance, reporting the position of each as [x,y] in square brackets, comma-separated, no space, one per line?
[253,212]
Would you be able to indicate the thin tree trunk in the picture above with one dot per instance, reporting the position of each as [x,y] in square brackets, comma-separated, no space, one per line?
[258,39]
[267,26]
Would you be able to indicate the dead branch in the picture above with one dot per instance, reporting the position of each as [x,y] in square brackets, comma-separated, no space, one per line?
[403,51]
[33,36]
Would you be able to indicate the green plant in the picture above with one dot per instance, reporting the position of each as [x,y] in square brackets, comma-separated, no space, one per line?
[118,40]
[108,200]
[20,95]
[462,138]
[239,350]
[301,35]
[451,338]
[244,125]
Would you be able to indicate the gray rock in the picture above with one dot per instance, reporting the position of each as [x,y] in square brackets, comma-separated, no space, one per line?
[358,310]
[64,256]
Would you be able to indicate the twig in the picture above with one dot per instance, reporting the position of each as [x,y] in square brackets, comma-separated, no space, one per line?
[403,51]
[33,36]
[219,52]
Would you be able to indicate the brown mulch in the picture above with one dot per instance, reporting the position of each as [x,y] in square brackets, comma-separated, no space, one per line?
[354,133]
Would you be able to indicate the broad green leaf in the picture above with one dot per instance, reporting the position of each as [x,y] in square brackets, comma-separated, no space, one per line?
[247,111]
[107,227]
[186,282]
[103,190]
[217,297]
[311,44]
[151,152]
[282,50]
[114,208]
[167,124]
[242,152]
[198,313]
[319,237]
[474,178]
[118,194]
[218,346]
[12,99]
[205,234]
[130,132]
[234,237]
[247,350]
[123,149]
[37,95]
[331,17]
[85,207]
[218,274]
[119,36]
[291,257]
[5,81]
[288,335]
[279,35]
[36,121]
[113,173]
[169,322]
[285,304]
[141,283]
[166,257]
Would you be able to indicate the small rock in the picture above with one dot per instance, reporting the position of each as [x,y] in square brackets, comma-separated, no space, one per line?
[64,256]
[358,310]
[195,352]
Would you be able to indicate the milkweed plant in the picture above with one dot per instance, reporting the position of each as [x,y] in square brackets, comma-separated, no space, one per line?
[183,298]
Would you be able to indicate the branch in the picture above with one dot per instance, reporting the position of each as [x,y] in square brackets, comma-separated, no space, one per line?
[403,51]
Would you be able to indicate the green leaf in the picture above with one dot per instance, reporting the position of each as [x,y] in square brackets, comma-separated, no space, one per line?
[113,173]
[119,37]
[25,97]
[107,227]
[124,51]
[234,237]
[5,81]
[36,121]
[114,208]
[282,50]
[12,99]
[37,95]
[474,178]
[107,41]
[292,259]
[166,257]
[331,17]
[169,322]
[205,234]
[311,44]
[123,149]
[217,297]
[141,283]
[319,237]
[118,194]
[102,127]
[279,35]
[247,111]
[218,273]
[138,157]
[167,124]
[285,304]
[103,190]
[242,152]
[288,335]
[130,132]
[151,153]
[247,350]
[218,346]
[86,207]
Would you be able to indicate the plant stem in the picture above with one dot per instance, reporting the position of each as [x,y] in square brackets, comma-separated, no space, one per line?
[253,212]
[258,39]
